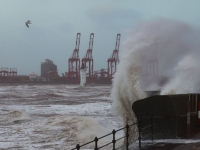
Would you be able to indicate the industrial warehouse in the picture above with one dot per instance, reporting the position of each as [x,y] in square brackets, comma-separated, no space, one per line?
[49,71]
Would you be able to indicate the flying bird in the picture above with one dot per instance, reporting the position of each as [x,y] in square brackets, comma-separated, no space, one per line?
[27,23]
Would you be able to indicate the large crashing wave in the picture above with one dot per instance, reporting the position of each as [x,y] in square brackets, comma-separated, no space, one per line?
[176,47]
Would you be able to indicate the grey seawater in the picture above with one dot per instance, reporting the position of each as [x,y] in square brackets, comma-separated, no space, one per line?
[54,116]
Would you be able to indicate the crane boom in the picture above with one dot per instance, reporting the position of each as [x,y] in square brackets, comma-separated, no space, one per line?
[117,42]
[91,41]
[74,62]
[114,58]
[78,36]
[75,53]
[88,60]
[88,54]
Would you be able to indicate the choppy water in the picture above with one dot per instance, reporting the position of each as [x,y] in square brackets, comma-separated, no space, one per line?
[54,116]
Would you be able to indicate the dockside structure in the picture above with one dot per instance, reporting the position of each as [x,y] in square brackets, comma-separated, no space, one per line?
[46,67]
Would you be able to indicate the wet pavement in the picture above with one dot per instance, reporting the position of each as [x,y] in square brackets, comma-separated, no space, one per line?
[173,146]
[192,144]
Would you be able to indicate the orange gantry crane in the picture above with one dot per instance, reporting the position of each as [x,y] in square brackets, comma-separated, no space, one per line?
[74,63]
[106,75]
[114,58]
[87,60]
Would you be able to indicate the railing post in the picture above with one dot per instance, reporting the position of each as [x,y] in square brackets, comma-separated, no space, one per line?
[127,135]
[77,146]
[113,132]
[139,128]
[152,128]
[188,116]
[96,146]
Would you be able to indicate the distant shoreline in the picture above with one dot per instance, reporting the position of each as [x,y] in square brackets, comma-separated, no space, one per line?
[48,83]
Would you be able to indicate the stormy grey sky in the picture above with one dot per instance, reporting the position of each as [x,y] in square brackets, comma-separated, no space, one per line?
[55,24]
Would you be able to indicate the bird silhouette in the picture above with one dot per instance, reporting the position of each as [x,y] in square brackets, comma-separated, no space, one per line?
[27,23]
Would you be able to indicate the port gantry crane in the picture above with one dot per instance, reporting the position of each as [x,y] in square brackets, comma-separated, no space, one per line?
[13,72]
[114,59]
[4,74]
[74,63]
[88,61]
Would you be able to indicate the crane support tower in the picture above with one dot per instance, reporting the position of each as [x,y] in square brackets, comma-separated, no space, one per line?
[13,75]
[74,63]
[152,63]
[4,75]
[152,68]
[13,72]
[88,61]
[114,59]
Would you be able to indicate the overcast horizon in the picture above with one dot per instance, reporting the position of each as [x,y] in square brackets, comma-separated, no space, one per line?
[55,23]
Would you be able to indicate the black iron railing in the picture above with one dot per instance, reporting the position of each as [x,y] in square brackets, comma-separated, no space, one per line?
[113,133]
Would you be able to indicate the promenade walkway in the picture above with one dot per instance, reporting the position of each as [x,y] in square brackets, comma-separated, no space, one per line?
[190,144]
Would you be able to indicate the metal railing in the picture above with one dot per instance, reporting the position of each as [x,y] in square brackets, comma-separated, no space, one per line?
[114,140]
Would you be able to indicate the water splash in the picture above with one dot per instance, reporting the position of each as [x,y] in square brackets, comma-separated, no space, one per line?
[14,116]
[175,45]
